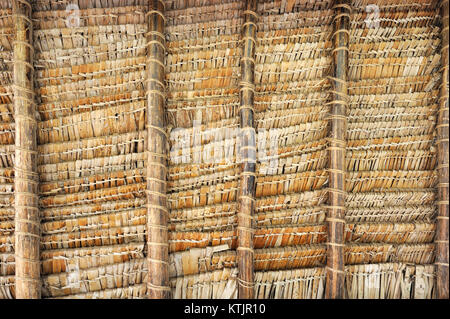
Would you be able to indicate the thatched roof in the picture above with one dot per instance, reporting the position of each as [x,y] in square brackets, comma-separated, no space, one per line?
[92,137]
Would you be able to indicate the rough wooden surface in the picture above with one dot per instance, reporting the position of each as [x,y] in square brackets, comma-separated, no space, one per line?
[337,144]
[441,240]
[27,220]
[157,210]
[248,155]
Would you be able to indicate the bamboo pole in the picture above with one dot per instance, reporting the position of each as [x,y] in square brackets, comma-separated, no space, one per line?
[157,209]
[245,253]
[442,277]
[27,220]
[337,147]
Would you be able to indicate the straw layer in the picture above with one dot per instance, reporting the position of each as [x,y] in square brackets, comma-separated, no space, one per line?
[90,70]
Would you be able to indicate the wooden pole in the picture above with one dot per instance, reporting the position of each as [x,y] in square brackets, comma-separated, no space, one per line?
[441,240]
[27,220]
[157,209]
[337,147]
[245,253]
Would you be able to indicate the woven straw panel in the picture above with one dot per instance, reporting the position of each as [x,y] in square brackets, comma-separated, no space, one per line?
[7,129]
[203,96]
[89,81]
[393,89]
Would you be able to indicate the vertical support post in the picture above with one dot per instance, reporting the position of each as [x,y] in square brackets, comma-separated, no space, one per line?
[157,206]
[441,241]
[245,253]
[27,219]
[335,274]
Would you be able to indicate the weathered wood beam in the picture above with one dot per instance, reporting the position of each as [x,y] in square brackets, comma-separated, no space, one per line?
[157,206]
[245,253]
[337,152]
[27,219]
[441,239]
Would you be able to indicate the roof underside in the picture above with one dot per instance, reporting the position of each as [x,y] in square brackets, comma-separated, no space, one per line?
[91,102]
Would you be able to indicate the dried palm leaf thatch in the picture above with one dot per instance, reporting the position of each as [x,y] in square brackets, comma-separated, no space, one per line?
[6,29]
[93,124]
[281,6]
[290,257]
[295,216]
[307,199]
[116,219]
[200,260]
[60,261]
[7,153]
[219,284]
[7,227]
[7,266]
[91,148]
[263,238]
[382,253]
[416,232]
[90,83]
[6,203]
[213,217]
[92,238]
[415,254]
[92,140]
[292,64]
[7,244]
[77,281]
[59,213]
[51,5]
[391,155]
[56,19]
[202,74]
[306,283]
[367,181]
[388,198]
[7,287]
[389,281]
[396,5]
[417,160]
[88,167]
[396,214]
[138,291]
